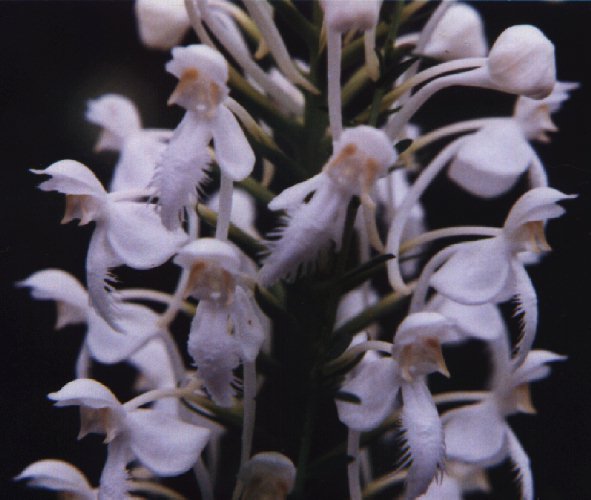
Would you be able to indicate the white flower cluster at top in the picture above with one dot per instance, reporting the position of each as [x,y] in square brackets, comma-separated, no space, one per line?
[333,138]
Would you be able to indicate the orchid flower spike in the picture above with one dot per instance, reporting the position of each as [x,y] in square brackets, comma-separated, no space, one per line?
[162,443]
[521,61]
[416,352]
[59,476]
[226,328]
[457,35]
[267,475]
[361,156]
[492,270]
[478,434]
[126,232]
[340,17]
[202,90]
[121,131]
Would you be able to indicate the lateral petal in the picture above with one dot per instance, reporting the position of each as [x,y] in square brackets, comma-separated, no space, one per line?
[58,475]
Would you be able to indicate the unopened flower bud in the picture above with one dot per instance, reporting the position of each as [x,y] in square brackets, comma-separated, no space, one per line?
[161,23]
[459,34]
[521,61]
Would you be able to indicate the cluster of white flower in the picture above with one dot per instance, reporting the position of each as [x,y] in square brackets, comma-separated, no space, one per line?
[328,162]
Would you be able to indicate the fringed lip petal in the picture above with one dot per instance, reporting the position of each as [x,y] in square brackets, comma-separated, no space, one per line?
[59,476]
[232,150]
[522,466]
[164,444]
[376,385]
[423,435]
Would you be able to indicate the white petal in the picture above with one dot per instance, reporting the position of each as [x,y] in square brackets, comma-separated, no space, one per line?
[521,463]
[376,384]
[155,367]
[220,253]
[58,285]
[164,444]
[346,15]
[420,325]
[137,236]
[248,330]
[539,204]
[244,212]
[423,435]
[474,433]
[58,475]
[527,310]
[138,325]
[491,160]
[482,322]
[476,273]
[181,170]
[458,34]
[137,161]
[232,150]
[534,366]
[215,352]
[117,115]
[71,177]
[162,24]
[85,392]
[292,197]
[446,488]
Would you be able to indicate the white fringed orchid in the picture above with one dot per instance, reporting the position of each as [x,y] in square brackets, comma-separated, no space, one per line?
[492,270]
[162,443]
[361,156]
[458,34]
[126,232]
[340,17]
[202,91]
[227,328]
[59,476]
[478,434]
[416,353]
[139,149]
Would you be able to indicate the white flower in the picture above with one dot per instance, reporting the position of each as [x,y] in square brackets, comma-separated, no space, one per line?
[121,131]
[490,161]
[458,34]
[126,232]
[59,476]
[491,270]
[202,90]
[521,61]
[162,24]
[360,157]
[162,443]
[416,352]
[226,328]
[267,475]
[478,434]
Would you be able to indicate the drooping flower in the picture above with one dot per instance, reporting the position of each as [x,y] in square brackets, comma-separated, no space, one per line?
[226,328]
[478,434]
[59,476]
[202,90]
[161,442]
[416,352]
[360,157]
[492,270]
[139,149]
[126,232]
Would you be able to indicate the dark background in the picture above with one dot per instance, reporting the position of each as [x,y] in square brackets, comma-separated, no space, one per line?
[57,55]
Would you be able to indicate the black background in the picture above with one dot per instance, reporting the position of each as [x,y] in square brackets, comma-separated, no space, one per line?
[57,55]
